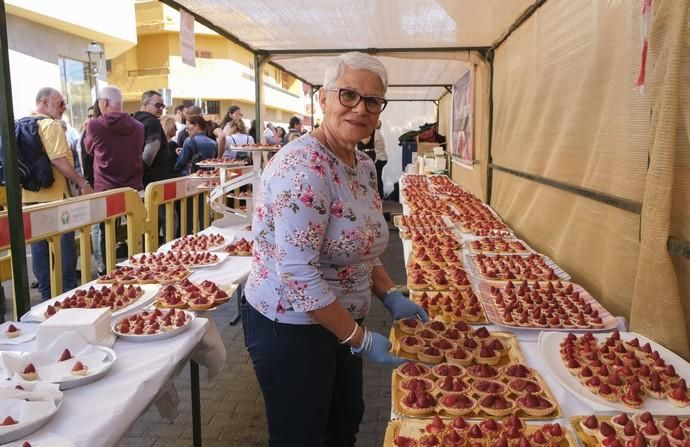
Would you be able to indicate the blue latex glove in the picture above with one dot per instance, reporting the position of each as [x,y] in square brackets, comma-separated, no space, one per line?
[401,307]
[376,347]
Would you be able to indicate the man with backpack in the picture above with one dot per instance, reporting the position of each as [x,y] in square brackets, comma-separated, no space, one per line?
[50,105]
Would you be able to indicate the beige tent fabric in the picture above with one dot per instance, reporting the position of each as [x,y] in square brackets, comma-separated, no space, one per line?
[594,242]
[657,281]
[565,106]
[565,110]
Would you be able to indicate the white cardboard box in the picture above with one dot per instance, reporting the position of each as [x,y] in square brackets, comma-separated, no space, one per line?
[93,325]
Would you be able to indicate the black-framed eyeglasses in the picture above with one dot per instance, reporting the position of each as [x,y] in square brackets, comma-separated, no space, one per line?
[350,98]
[159,105]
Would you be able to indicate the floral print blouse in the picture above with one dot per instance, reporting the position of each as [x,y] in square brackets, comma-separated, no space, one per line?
[318,230]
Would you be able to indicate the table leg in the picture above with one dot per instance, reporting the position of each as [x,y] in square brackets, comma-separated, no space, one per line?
[237,317]
[196,403]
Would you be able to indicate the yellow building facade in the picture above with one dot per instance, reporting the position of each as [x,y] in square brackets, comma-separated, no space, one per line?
[223,76]
[47,42]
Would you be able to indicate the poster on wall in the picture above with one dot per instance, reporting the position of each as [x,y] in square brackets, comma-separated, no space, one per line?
[462,144]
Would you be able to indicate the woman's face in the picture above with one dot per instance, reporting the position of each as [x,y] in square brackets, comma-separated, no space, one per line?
[192,129]
[349,125]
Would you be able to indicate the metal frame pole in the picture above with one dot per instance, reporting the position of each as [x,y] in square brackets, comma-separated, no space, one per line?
[258,79]
[196,403]
[313,92]
[20,277]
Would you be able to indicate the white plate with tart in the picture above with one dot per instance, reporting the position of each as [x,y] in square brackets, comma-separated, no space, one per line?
[69,362]
[153,325]
[618,371]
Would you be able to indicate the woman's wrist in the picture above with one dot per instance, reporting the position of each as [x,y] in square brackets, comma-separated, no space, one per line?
[358,339]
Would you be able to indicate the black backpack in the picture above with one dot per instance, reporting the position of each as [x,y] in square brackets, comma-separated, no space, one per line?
[33,164]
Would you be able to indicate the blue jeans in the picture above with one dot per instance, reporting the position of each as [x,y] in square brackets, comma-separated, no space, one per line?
[41,264]
[312,385]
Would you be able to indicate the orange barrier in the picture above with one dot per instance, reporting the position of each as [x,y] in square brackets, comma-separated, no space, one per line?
[166,193]
[48,221]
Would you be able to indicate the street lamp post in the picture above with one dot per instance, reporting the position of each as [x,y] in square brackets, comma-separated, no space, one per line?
[95,54]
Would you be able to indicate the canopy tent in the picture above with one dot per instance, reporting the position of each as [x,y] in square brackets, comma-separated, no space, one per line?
[562,143]
[421,43]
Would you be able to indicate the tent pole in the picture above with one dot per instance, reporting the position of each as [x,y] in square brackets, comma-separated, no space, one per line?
[258,79]
[374,50]
[15,222]
[490,162]
[313,92]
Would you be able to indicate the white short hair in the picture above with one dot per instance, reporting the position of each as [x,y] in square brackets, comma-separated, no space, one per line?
[112,94]
[356,61]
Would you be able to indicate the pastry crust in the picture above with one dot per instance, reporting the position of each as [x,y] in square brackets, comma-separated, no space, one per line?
[497,412]
[425,355]
[536,411]
[461,411]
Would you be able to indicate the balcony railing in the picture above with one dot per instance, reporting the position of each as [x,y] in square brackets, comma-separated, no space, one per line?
[148,72]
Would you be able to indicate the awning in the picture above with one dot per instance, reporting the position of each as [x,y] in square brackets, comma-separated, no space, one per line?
[423,43]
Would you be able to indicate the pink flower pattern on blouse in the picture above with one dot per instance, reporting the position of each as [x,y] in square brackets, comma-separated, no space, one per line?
[318,229]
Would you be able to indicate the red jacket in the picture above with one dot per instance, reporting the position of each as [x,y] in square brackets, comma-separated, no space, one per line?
[115,140]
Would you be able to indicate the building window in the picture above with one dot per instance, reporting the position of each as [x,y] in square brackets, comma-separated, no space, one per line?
[203,54]
[212,107]
[76,87]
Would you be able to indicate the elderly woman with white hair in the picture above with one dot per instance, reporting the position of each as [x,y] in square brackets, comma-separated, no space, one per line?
[319,230]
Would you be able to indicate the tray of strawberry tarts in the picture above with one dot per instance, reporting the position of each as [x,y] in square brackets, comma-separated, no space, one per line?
[635,430]
[498,269]
[497,245]
[242,247]
[474,372]
[183,258]
[451,306]
[620,371]
[203,296]
[434,276]
[153,324]
[226,163]
[145,275]
[119,297]
[197,243]
[554,305]
[489,432]
[476,391]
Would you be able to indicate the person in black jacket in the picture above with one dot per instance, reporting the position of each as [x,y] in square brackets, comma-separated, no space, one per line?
[158,160]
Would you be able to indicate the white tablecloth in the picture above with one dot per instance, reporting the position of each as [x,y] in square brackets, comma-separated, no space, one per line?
[100,413]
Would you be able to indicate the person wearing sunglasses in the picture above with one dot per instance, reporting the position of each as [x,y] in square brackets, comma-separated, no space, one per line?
[50,106]
[158,159]
[319,230]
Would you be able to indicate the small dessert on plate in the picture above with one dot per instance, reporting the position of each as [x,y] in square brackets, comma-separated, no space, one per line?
[411,370]
[66,355]
[29,372]
[418,403]
[457,404]
[79,369]
[12,331]
[536,405]
[497,405]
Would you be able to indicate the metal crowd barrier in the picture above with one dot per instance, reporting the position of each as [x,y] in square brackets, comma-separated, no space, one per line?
[167,193]
[49,221]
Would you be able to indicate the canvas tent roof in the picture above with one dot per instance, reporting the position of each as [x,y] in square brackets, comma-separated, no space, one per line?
[414,32]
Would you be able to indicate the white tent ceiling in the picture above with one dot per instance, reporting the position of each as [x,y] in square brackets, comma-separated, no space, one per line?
[290,25]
